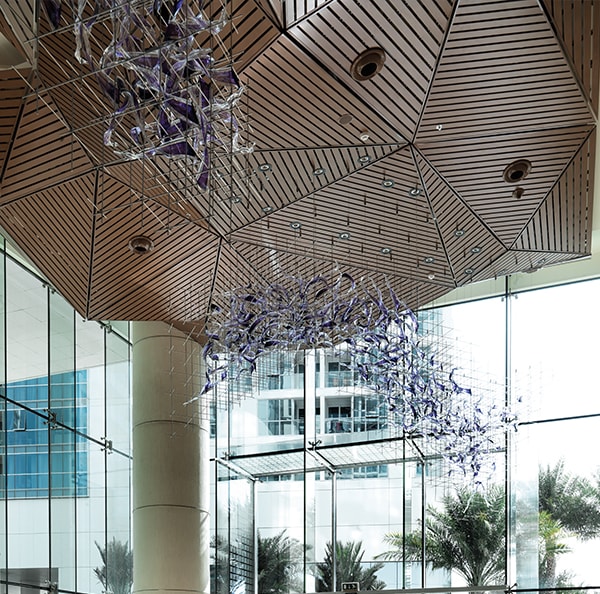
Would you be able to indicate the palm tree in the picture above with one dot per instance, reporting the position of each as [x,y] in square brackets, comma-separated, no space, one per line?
[116,573]
[467,535]
[550,546]
[348,565]
[567,504]
[280,563]
[571,500]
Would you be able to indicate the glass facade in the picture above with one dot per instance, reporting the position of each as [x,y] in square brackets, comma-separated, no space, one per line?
[310,472]
[65,453]
[328,464]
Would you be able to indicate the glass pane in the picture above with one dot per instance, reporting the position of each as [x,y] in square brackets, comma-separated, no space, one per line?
[28,434]
[554,355]
[119,556]
[91,508]
[67,399]
[563,490]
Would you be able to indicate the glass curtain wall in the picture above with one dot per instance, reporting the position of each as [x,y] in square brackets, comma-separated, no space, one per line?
[65,451]
[329,466]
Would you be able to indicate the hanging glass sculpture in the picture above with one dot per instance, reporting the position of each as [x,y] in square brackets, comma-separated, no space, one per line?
[381,334]
[168,94]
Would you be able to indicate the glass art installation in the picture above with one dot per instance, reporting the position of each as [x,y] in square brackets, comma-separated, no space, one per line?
[381,334]
[169,95]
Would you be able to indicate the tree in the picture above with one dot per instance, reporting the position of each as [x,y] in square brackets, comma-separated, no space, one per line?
[467,535]
[280,563]
[571,500]
[348,568]
[116,573]
[567,504]
[550,546]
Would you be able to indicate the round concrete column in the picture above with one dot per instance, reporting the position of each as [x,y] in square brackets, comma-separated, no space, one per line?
[170,464]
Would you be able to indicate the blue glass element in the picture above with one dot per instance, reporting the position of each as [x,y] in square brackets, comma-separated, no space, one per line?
[31,430]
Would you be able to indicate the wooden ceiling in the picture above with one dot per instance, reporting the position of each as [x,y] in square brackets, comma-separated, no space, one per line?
[467,88]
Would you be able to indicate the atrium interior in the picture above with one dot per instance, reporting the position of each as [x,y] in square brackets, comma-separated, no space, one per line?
[299,296]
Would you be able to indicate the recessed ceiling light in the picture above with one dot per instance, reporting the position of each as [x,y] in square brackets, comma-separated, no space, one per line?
[387,183]
[459,233]
[439,127]
[469,271]
[367,64]
[517,171]
[431,276]
[386,250]
[295,225]
[267,208]
[140,244]
[475,250]
[429,260]
[414,192]
[344,235]
[236,199]
[264,166]
[364,159]
[319,171]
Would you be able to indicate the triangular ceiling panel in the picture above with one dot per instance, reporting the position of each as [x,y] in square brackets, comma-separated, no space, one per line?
[64,255]
[466,243]
[410,36]
[479,90]
[571,201]
[572,21]
[480,178]
[43,153]
[292,101]
[169,262]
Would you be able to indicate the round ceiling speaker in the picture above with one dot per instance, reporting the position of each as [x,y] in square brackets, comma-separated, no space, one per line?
[140,244]
[367,64]
[517,171]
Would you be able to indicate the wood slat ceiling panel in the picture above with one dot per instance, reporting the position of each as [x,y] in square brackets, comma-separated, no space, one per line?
[488,38]
[62,256]
[578,26]
[298,9]
[273,8]
[290,176]
[375,218]
[89,118]
[515,261]
[563,222]
[276,267]
[466,242]
[252,27]
[170,264]
[411,36]
[19,15]
[292,102]
[479,179]
[230,259]
[44,153]
[147,181]
[12,88]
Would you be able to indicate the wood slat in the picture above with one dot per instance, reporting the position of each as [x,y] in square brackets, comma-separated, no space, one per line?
[465,101]
[44,153]
[577,25]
